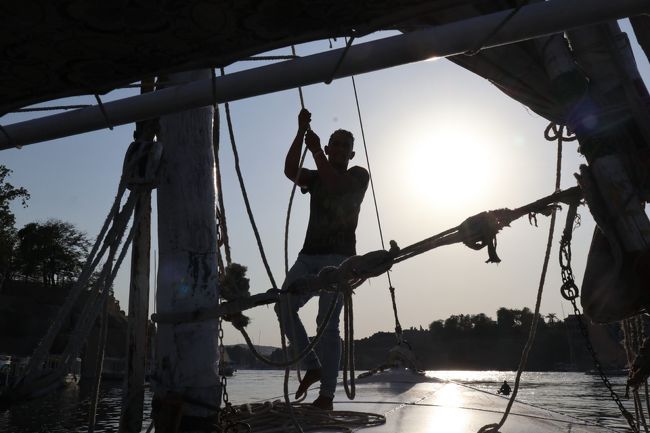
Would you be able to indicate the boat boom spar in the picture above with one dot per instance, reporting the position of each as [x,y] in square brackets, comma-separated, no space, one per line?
[532,21]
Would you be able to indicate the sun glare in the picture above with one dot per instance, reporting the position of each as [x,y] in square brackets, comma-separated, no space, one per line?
[449,169]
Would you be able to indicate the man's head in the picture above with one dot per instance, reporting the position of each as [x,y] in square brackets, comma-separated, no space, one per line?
[339,149]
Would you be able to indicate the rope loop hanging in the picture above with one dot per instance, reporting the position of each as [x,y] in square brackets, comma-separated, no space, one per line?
[554,132]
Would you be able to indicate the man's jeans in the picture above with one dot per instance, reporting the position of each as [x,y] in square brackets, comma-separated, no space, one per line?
[330,343]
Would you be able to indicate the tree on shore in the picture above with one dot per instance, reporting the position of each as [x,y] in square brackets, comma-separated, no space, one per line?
[53,252]
[8,193]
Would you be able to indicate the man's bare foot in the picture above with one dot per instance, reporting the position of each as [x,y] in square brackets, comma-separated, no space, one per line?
[323,403]
[311,377]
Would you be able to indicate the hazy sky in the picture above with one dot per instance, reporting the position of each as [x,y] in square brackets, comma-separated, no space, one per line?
[444,144]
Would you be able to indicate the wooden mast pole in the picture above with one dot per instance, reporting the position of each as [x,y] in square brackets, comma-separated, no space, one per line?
[133,390]
[186,375]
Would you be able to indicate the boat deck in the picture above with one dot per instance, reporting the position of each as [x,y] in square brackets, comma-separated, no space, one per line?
[418,404]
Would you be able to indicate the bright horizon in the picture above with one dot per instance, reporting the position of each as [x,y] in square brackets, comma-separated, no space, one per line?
[444,144]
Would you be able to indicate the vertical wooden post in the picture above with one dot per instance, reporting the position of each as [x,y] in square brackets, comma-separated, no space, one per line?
[133,390]
[187,355]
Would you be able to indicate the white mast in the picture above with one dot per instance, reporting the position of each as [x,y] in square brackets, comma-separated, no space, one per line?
[187,354]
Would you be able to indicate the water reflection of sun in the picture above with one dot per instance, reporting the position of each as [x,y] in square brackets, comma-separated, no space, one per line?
[448,415]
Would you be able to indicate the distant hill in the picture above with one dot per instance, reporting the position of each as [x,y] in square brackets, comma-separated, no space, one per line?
[264,350]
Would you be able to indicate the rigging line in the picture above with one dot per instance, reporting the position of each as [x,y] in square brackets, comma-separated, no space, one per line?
[398,326]
[220,203]
[9,139]
[293,187]
[268,58]
[50,108]
[533,327]
[302,101]
[244,194]
[103,110]
[288,218]
[92,260]
[479,46]
[348,44]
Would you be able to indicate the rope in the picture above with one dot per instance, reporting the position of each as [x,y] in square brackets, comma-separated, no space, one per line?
[288,218]
[348,346]
[98,368]
[269,58]
[44,346]
[303,353]
[287,372]
[348,44]
[356,269]
[10,141]
[479,46]
[103,110]
[223,226]
[398,326]
[244,194]
[271,417]
[494,428]
[302,100]
[293,187]
[50,108]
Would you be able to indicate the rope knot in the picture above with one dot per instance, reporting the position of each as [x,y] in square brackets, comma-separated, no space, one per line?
[480,230]
[555,132]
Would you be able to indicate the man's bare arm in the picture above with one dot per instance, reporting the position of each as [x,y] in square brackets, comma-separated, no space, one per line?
[292,160]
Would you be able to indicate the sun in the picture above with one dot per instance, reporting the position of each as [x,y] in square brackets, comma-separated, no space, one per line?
[449,168]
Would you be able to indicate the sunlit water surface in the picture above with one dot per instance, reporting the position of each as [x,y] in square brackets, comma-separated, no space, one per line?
[575,394]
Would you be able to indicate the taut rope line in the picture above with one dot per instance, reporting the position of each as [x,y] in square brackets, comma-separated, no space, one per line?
[398,326]
[494,428]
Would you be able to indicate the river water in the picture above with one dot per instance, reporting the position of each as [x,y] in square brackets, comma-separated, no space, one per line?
[576,394]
